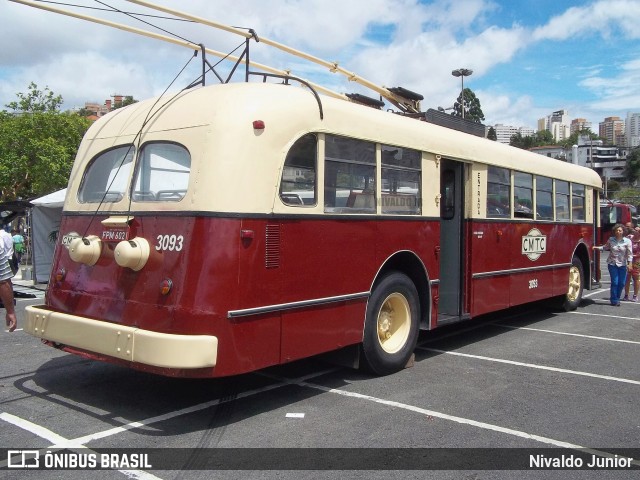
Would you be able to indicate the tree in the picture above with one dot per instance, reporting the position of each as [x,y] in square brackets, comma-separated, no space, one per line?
[36,101]
[492,135]
[127,100]
[542,137]
[37,145]
[632,167]
[573,139]
[472,109]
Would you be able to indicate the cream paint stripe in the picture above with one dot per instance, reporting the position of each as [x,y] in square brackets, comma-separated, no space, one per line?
[460,420]
[608,316]
[539,367]
[61,442]
[566,333]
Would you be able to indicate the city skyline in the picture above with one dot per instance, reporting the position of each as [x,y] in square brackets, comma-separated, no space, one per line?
[528,58]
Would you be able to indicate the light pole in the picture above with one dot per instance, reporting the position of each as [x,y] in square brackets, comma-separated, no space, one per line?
[462,72]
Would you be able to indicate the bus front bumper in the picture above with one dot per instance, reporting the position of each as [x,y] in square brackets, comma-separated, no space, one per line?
[119,341]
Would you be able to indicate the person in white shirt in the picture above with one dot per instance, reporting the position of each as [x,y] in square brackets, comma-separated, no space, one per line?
[6,287]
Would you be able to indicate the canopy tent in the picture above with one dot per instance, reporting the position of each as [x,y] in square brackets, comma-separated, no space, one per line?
[46,214]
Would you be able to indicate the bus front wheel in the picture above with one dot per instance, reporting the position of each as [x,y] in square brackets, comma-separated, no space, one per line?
[573,297]
[391,325]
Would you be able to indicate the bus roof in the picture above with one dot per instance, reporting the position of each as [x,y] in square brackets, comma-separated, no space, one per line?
[214,122]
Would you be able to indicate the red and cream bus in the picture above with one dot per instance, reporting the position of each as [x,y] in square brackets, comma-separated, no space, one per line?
[239,226]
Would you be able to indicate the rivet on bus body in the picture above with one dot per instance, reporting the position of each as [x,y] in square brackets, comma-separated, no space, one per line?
[258,125]
[165,286]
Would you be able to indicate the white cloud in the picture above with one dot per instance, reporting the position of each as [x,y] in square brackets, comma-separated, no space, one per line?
[409,43]
[619,92]
[603,17]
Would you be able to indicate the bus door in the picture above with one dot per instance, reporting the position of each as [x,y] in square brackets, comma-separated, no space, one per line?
[451,241]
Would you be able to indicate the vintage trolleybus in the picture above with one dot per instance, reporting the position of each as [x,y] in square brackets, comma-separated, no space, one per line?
[237,226]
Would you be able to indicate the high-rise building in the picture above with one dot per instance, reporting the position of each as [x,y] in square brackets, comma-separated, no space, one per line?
[579,124]
[610,128]
[505,132]
[632,127]
[558,124]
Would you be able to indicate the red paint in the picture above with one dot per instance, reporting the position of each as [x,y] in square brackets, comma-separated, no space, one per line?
[220,269]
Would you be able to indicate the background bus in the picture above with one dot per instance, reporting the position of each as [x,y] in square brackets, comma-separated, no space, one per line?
[256,231]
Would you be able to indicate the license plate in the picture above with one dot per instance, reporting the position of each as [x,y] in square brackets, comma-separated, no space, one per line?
[115,234]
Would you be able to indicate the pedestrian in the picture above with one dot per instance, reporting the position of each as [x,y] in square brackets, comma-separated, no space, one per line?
[18,244]
[635,267]
[6,287]
[619,260]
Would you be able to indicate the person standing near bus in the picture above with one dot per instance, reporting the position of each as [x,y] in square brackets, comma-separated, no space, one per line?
[635,267]
[6,287]
[619,261]
[18,244]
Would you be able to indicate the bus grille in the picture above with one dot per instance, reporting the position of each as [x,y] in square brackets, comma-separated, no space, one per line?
[272,249]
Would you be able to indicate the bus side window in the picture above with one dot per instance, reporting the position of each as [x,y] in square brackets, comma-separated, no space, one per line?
[523,201]
[578,203]
[562,201]
[544,198]
[401,179]
[498,193]
[349,175]
[298,183]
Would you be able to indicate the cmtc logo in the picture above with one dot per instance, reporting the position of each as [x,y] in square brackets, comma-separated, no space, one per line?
[534,244]
[23,459]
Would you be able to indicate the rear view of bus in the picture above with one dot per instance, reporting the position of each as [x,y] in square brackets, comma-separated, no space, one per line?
[147,261]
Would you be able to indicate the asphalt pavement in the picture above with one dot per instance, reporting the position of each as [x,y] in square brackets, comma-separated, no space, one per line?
[483,400]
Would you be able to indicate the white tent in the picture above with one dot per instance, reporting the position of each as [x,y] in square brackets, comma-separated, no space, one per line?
[45,219]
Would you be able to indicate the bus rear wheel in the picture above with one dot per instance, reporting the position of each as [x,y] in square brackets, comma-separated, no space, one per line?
[573,297]
[391,324]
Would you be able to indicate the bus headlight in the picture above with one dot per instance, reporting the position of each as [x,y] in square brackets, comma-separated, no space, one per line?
[85,250]
[132,254]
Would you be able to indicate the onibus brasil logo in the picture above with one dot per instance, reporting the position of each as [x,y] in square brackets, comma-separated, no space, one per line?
[534,244]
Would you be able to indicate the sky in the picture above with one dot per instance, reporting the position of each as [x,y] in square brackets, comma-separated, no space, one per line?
[529,58]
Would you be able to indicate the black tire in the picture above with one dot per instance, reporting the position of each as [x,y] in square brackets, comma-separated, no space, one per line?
[572,299]
[391,324]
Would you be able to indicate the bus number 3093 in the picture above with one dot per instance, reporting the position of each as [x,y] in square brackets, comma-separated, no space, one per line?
[170,242]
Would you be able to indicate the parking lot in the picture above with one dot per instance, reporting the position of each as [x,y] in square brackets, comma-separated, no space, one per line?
[479,398]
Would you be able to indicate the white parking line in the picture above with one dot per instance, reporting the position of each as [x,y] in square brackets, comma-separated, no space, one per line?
[61,442]
[532,365]
[566,333]
[595,292]
[601,315]
[453,418]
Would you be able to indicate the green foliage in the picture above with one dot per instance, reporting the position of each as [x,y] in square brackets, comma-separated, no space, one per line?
[541,138]
[472,109]
[36,101]
[127,100]
[627,195]
[37,145]
[573,139]
[492,135]
[632,167]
